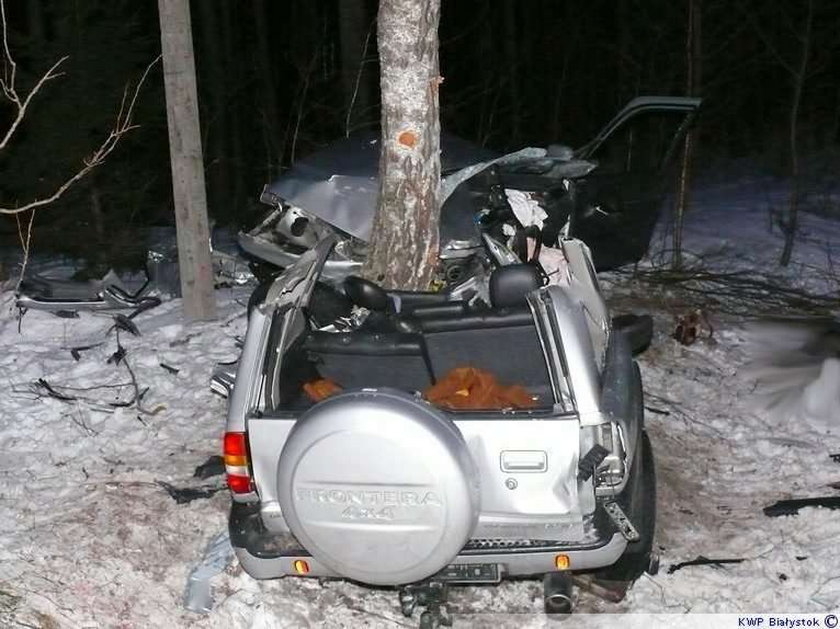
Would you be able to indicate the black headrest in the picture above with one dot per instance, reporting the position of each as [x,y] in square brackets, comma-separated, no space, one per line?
[509,284]
[366,294]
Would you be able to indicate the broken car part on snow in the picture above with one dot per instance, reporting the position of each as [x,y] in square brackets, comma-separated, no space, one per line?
[57,293]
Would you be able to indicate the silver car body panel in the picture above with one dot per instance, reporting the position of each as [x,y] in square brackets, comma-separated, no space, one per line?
[257,245]
[290,289]
[545,504]
[340,186]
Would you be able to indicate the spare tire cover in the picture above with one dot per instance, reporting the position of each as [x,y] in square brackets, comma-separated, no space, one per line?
[379,486]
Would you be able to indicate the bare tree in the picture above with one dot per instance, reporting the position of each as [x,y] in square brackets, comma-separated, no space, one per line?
[404,243]
[355,30]
[797,74]
[693,59]
[194,259]
[797,71]
[21,102]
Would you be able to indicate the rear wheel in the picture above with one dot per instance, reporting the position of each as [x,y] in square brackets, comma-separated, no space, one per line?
[637,330]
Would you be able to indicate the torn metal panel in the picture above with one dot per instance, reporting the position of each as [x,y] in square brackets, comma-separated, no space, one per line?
[55,294]
[340,184]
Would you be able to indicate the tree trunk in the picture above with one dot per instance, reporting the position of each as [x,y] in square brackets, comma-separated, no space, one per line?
[693,73]
[35,18]
[354,27]
[268,93]
[790,225]
[404,243]
[512,52]
[189,194]
[215,142]
[236,160]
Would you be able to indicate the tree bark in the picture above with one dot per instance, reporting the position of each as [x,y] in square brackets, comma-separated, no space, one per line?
[512,52]
[693,59]
[189,194]
[353,30]
[268,93]
[216,140]
[235,126]
[791,224]
[404,243]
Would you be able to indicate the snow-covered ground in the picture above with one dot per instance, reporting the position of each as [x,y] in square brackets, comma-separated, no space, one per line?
[88,538]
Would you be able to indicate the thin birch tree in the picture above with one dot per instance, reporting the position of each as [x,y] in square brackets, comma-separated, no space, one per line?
[404,243]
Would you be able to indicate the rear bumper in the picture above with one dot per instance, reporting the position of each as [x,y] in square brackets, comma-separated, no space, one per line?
[267,556]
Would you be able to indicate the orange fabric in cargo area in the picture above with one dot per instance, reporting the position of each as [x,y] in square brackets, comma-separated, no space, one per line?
[318,390]
[462,388]
[470,388]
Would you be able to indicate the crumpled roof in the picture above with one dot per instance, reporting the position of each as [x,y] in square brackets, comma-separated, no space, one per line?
[339,183]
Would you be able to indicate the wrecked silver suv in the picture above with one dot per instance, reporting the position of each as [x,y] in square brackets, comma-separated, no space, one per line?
[413,440]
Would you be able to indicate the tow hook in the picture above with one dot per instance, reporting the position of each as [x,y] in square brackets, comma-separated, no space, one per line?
[621,521]
[433,596]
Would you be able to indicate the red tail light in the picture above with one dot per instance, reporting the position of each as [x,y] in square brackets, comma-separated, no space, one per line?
[237,470]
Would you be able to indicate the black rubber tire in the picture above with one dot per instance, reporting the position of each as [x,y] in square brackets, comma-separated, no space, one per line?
[637,330]
[640,397]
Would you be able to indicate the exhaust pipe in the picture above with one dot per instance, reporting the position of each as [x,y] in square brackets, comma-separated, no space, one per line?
[557,593]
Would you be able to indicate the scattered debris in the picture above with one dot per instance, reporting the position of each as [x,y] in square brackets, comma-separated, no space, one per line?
[42,383]
[835,457]
[117,356]
[434,596]
[121,322]
[147,303]
[198,596]
[66,393]
[591,460]
[704,561]
[137,398]
[213,466]
[613,591]
[173,370]
[792,507]
[184,495]
[690,325]
[76,352]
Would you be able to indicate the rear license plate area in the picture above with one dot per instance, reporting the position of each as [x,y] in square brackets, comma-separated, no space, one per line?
[470,573]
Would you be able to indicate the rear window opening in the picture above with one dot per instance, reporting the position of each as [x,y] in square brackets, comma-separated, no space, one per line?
[492,361]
